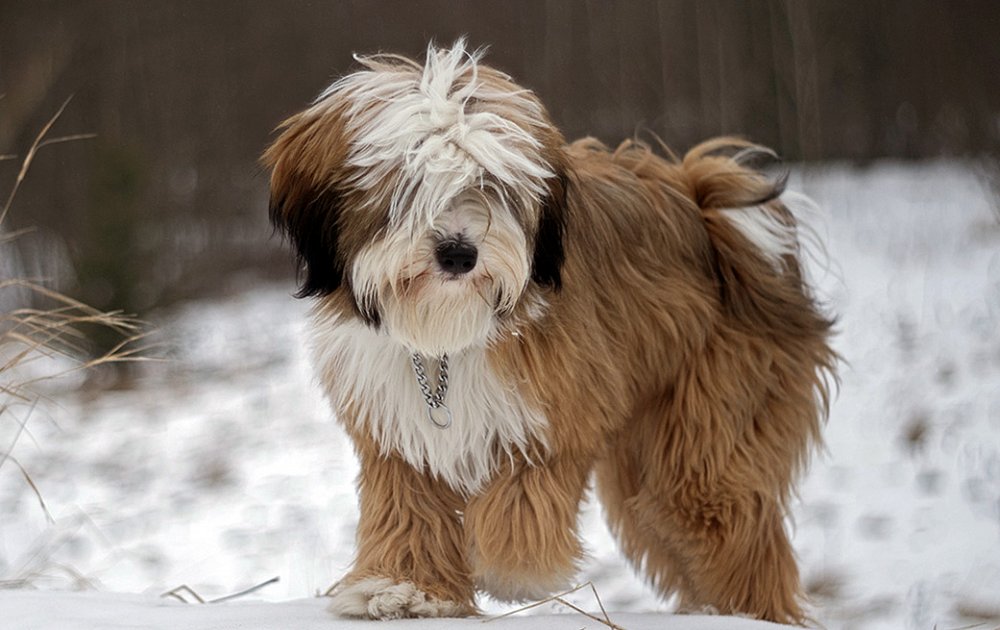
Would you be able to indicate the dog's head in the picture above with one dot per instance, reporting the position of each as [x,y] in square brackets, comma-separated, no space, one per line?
[432,196]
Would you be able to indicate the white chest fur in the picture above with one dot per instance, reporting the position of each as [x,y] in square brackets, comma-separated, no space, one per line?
[372,372]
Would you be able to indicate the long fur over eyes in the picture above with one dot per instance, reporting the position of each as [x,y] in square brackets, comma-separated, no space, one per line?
[601,311]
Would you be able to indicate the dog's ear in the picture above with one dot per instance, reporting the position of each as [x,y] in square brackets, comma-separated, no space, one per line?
[305,204]
[549,254]
[310,223]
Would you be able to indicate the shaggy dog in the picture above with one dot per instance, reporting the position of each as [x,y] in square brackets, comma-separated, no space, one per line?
[500,315]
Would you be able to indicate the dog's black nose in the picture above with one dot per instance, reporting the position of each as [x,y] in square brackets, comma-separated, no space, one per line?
[456,257]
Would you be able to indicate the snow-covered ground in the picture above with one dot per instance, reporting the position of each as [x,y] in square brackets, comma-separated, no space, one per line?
[97,611]
[222,468]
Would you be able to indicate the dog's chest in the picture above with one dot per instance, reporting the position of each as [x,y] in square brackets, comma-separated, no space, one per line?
[371,373]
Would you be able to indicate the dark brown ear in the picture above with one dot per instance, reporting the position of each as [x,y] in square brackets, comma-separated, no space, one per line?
[305,204]
[311,224]
[549,254]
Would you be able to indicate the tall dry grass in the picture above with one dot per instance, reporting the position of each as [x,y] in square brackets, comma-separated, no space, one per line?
[43,332]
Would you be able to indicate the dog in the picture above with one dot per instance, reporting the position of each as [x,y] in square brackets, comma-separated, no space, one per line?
[500,315]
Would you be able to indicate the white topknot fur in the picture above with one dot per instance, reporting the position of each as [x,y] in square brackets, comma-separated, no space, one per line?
[438,125]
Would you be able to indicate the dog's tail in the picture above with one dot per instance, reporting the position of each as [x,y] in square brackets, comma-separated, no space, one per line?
[759,239]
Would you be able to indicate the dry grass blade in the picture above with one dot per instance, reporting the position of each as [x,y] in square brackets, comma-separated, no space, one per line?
[6,456]
[57,332]
[34,488]
[532,605]
[179,591]
[599,602]
[13,236]
[607,622]
[80,581]
[45,341]
[70,138]
[26,163]
[246,591]
[560,599]
[333,587]
[985,613]
[111,318]
[22,425]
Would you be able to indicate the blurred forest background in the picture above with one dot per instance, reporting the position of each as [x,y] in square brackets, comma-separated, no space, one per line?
[167,202]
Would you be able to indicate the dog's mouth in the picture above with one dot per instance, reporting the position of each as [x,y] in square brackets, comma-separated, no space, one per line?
[479,285]
[418,286]
[456,279]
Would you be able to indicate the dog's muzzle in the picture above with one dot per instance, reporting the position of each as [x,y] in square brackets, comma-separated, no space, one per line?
[456,257]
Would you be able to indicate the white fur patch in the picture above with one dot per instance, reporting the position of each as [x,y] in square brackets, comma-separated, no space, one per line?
[436,131]
[775,238]
[369,370]
[763,227]
[811,226]
[381,598]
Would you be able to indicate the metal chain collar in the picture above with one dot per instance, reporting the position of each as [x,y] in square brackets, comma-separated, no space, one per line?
[434,399]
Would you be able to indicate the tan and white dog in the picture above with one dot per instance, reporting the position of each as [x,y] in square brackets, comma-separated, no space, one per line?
[499,315]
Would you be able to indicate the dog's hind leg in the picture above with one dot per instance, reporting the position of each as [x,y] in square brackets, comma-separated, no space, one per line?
[696,485]
[724,554]
[411,557]
[619,484]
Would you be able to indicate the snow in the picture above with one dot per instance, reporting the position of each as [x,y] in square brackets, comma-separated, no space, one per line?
[35,610]
[222,468]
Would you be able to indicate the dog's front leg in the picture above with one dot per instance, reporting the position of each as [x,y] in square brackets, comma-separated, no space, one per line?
[410,560]
[521,529]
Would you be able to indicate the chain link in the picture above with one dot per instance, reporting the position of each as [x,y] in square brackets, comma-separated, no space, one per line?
[434,399]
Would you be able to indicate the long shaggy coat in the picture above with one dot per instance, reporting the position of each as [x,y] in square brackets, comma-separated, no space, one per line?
[638,319]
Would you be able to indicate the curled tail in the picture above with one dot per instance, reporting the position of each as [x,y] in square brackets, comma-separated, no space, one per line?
[757,239]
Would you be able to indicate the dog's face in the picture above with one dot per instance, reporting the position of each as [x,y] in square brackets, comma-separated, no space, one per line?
[430,196]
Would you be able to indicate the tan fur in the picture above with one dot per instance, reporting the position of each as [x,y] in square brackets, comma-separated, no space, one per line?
[416,536]
[675,361]
[696,398]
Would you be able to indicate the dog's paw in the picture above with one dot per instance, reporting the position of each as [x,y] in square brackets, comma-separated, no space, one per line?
[382,598]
